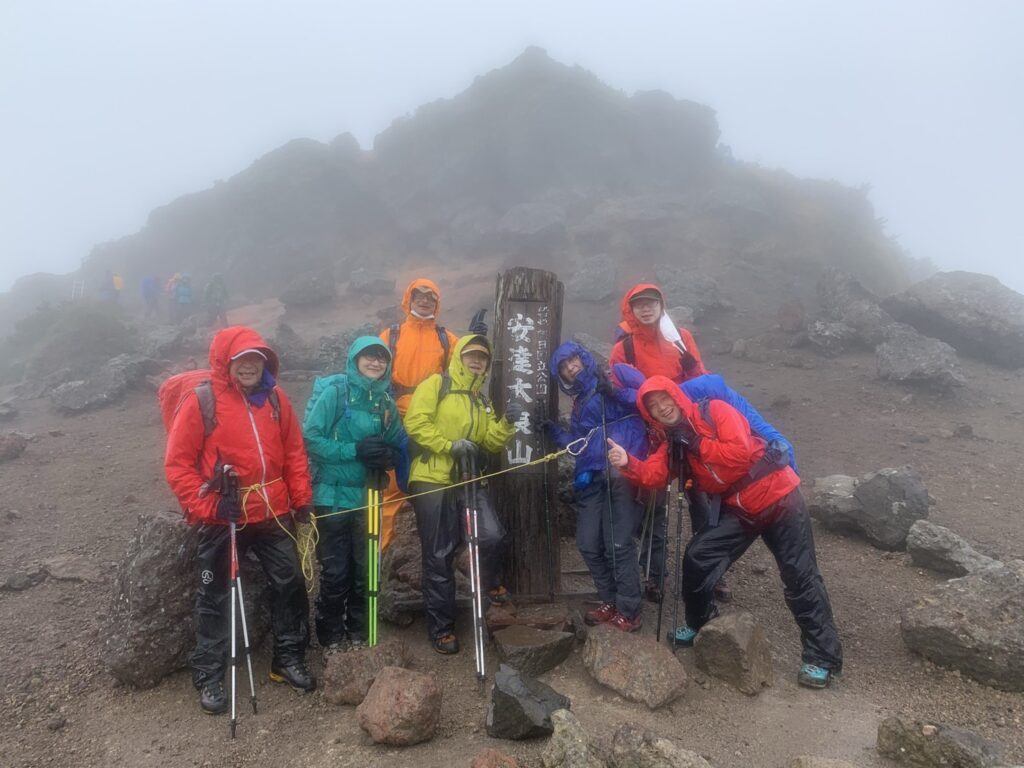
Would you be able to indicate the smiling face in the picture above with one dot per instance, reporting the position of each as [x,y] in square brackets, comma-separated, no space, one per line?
[570,368]
[475,362]
[423,303]
[663,408]
[247,370]
[647,310]
[372,362]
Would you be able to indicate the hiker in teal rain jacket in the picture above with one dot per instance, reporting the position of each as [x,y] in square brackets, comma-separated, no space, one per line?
[353,436]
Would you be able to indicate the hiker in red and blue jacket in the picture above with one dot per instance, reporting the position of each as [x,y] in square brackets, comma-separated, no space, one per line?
[608,509]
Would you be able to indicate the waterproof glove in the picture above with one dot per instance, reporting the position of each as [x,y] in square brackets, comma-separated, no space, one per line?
[513,412]
[477,324]
[372,449]
[380,462]
[463,449]
[303,514]
[684,435]
[228,509]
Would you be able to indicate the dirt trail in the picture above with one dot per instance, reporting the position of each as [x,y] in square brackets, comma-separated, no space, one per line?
[83,481]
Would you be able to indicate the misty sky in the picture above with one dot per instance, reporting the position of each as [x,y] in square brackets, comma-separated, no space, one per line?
[108,109]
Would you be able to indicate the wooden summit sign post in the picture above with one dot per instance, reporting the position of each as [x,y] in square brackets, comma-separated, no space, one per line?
[527,329]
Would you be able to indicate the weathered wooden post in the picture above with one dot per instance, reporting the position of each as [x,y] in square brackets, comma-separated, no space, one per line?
[527,329]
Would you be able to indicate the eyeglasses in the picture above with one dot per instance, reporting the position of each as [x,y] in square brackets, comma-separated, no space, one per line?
[376,357]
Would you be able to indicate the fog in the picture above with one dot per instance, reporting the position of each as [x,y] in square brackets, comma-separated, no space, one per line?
[110,109]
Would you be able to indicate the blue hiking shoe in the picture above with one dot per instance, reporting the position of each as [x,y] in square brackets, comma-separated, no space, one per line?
[682,636]
[811,676]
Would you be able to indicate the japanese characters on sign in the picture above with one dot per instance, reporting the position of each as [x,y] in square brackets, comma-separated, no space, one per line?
[527,341]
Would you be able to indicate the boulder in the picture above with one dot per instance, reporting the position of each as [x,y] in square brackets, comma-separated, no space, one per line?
[635,747]
[881,506]
[806,761]
[12,445]
[908,357]
[533,651]
[292,350]
[594,279]
[975,313]
[348,676]
[105,386]
[331,352]
[932,546]
[636,667]
[921,745]
[149,628]
[166,341]
[843,299]
[689,288]
[401,708]
[521,707]
[364,282]
[570,745]
[492,758]
[309,289]
[735,648]
[974,624]
[830,339]
[19,581]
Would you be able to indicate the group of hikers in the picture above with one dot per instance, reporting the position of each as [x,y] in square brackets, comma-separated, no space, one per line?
[409,415]
[178,294]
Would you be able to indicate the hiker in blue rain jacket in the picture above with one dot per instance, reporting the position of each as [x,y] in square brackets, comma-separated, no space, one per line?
[353,436]
[604,531]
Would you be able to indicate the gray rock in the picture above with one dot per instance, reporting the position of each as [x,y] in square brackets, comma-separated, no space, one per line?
[149,629]
[12,445]
[106,386]
[347,677]
[635,747]
[806,761]
[402,707]
[533,225]
[681,315]
[636,667]
[974,624]
[881,506]
[70,567]
[975,313]
[471,227]
[521,707]
[689,288]
[165,341]
[292,350]
[921,745]
[533,651]
[830,339]
[594,279]
[908,357]
[19,581]
[844,300]
[570,745]
[7,410]
[362,282]
[735,648]
[309,289]
[599,350]
[331,352]
[932,546]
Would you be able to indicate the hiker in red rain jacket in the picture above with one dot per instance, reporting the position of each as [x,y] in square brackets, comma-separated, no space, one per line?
[640,342]
[257,433]
[759,494]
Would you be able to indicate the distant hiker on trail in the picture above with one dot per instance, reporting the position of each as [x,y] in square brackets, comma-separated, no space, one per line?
[151,295]
[242,419]
[648,340]
[711,443]
[420,347]
[353,436]
[608,512]
[450,421]
[215,298]
[107,291]
[182,298]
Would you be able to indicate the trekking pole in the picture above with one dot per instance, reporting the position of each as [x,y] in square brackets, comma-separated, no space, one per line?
[677,585]
[472,532]
[229,480]
[664,566]
[373,524]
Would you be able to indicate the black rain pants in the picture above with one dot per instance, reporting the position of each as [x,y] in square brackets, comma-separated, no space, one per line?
[341,603]
[440,519]
[289,608]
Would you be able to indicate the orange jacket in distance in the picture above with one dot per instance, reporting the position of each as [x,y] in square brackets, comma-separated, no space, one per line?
[418,353]
[265,447]
[655,355]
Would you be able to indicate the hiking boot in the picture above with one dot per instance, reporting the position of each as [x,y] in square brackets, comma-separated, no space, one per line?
[358,642]
[295,674]
[811,676]
[499,596]
[652,591]
[213,699]
[619,621]
[682,636]
[600,615]
[446,644]
[723,592]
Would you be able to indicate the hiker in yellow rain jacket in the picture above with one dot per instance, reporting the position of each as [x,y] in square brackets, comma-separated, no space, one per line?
[450,422]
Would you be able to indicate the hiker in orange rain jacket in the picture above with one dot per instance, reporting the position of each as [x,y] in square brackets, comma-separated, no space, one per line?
[419,349]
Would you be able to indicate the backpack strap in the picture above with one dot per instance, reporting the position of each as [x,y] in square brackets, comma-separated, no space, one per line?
[628,349]
[275,403]
[442,335]
[207,406]
[393,332]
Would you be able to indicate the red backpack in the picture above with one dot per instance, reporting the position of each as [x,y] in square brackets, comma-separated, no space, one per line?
[172,394]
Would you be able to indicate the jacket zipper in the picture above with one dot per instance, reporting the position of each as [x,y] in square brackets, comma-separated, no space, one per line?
[259,447]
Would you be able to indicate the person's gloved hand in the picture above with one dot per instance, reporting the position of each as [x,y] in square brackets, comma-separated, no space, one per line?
[303,514]
[228,509]
[513,412]
[463,449]
[371,449]
[377,479]
[477,324]
[683,434]
[606,388]
[583,479]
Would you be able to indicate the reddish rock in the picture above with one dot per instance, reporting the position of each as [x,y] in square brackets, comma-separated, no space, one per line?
[401,708]
[492,758]
[347,677]
[637,667]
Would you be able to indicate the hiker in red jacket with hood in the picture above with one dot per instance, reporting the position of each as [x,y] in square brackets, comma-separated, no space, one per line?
[711,443]
[255,431]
